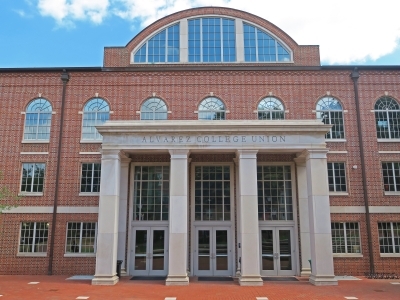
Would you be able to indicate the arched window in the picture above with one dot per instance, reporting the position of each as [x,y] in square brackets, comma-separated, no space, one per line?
[153,109]
[270,108]
[95,112]
[38,120]
[387,117]
[211,109]
[330,111]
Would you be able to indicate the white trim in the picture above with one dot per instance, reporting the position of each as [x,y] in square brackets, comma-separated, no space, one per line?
[34,153]
[335,140]
[388,140]
[35,141]
[23,113]
[53,112]
[138,112]
[80,112]
[32,254]
[49,210]
[389,152]
[392,193]
[389,254]
[337,152]
[89,153]
[345,111]
[347,209]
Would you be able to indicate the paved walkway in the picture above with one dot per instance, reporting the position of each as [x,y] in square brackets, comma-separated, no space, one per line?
[57,288]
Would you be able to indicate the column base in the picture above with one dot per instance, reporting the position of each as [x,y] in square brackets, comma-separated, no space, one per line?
[305,272]
[177,280]
[323,280]
[105,280]
[250,281]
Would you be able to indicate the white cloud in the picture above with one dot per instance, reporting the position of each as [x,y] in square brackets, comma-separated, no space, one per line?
[347,31]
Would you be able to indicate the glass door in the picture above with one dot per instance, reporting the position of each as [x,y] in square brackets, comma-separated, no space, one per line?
[149,249]
[277,251]
[212,254]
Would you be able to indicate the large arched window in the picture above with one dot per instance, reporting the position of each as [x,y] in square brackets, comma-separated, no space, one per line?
[38,120]
[153,109]
[95,112]
[270,108]
[330,111]
[211,108]
[387,117]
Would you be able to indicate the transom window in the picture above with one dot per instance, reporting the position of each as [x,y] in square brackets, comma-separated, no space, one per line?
[270,108]
[38,120]
[387,117]
[389,237]
[261,47]
[163,47]
[337,177]
[32,177]
[81,237]
[212,201]
[211,109]
[151,193]
[153,109]
[33,237]
[90,177]
[391,176]
[274,187]
[345,237]
[212,40]
[95,112]
[330,111]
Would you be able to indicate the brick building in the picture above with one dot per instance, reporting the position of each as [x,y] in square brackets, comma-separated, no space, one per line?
[212,144]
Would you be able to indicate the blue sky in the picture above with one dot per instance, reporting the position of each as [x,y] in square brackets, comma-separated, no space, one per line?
[68,33]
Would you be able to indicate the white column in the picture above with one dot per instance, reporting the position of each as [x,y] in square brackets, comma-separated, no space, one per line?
[303,215]
[123,210]
[250,259]
[107,234]
[178,219]
[322,272]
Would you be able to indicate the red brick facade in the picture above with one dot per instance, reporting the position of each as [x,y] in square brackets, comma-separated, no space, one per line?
[182,87]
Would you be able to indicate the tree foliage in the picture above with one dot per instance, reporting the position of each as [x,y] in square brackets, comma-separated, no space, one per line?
[7,199]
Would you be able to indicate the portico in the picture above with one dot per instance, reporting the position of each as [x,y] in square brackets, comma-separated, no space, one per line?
[216,220]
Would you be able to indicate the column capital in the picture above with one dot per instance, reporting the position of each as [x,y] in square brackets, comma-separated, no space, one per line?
[179,153]
[246,154]
[318,153]
[110,154]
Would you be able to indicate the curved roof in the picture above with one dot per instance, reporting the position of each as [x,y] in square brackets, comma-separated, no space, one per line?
[300,55]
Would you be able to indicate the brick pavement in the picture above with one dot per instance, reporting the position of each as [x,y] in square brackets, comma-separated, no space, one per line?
[58,288]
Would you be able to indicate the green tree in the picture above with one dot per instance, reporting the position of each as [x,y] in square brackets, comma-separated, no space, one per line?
[7,199]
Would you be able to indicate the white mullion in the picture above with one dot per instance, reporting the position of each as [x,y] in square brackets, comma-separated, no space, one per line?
[394,177]
[388,121]
[92,178]
[392,232]
[147,51]
[37,125]
[345,237]
[95,237]
[33,176]
[166,45]
[80,237]
[34,237]
[140,192]
[221,27]
[201,39]
[256,39]
[276,50]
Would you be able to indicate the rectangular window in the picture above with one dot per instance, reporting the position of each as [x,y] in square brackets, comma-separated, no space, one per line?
[32,177]
[81,237]
[151,193]
[345,237]
[389,237]
[90,177]
[33,238]
[391,176]
[274,188]
[337,177]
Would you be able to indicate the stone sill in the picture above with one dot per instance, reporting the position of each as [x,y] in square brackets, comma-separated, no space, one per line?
[389,254]
[79,254]
[35,142]
[335,140]
[88,194]
[32,254]
[392,193]
[338,194]
[355,255]
[26,194]
[388,140]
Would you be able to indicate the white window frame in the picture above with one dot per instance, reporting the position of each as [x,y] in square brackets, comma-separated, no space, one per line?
[30,193]
[37,126]
[79,253]
[389,254]
[334,178]
[91,183]
[395,179]
[33,252]
[98,138]
[346,253]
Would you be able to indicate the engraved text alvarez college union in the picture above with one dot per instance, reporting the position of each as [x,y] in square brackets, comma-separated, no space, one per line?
[213,139]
